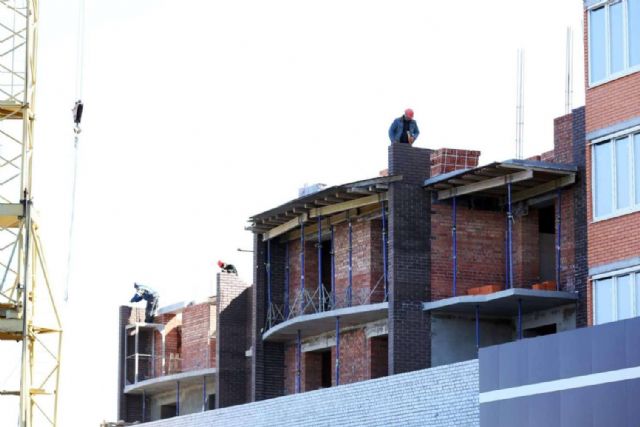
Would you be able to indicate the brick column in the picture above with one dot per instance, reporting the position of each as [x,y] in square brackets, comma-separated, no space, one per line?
[409,260]
[267,364]
[580,215]
[232,308]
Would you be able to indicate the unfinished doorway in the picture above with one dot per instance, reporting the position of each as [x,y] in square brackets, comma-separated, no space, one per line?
[547,242]
[317,369]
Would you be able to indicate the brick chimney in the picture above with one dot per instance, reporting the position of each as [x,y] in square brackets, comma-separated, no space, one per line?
[446,160]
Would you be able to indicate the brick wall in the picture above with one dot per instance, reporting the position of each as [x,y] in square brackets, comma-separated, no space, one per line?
[172,346]
[446,160]
[612,102]
[580,204]
[438,397]
[295,270]
[232,296]
[196,321]
[409,259]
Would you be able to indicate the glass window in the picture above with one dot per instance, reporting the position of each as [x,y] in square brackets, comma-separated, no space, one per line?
[603,179]
[624,297]
[636,162]
[633,21]
[616,38]
[597,60]
[604,300]
[623,173]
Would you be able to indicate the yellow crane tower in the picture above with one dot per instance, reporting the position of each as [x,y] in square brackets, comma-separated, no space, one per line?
[28,315]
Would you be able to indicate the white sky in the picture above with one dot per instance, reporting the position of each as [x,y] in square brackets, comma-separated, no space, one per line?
[201,113]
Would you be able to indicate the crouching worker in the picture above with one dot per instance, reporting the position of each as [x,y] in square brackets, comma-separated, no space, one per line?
[150,296]
[227,268]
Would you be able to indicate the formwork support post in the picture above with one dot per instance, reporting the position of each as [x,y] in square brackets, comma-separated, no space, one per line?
[454,245]
[144,405]
[350,285]
[320,285]
[301,267]
[385,273]
[136,359]
[519,318]
[177,398]
[558,238]
[337,350]
[509,237]
[333,271]
[268,269]
[298,362]
[286,281]
[204,393]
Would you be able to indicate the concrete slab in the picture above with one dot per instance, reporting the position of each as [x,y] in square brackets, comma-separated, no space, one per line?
[168,382]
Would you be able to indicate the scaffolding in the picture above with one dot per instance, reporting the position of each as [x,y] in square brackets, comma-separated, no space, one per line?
[28,314]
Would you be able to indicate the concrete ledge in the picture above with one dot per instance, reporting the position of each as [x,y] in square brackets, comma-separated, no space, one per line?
[503,303]
[318,323]
[167,382]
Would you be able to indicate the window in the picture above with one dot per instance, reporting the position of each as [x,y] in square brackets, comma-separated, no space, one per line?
[616,176]
[616,297]
[614,40]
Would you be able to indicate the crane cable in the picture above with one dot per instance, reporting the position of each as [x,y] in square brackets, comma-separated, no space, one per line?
[77,118]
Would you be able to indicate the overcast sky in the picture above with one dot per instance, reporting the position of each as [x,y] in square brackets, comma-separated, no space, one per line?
[201,113]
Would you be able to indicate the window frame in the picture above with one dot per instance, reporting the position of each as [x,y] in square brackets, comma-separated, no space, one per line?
[631,133]
[634,273]
[627,68]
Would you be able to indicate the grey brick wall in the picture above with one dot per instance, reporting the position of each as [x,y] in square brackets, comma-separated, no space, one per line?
[580,215]
[442,396]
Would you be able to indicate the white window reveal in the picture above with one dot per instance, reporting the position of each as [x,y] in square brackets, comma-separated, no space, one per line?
[614,40]
[616,176]
[616,297]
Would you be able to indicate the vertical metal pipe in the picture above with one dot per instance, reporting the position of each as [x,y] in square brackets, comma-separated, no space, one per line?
[506,256]
[136,360]
[384,249]
[144,405]
[510,235]
[350,286]
[298,362]
[477,326]
[333,271]
[301,267]
[177,397]
[519,319]
[337,350]
[268,275]
[126,355]
[558,238]
[455,245]
[286,280]
[204,393]
[320,285]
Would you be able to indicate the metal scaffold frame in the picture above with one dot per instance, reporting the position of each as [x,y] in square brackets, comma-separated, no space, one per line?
[28,313]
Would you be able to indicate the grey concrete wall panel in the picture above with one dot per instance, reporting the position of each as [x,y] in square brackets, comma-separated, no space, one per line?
[440,397]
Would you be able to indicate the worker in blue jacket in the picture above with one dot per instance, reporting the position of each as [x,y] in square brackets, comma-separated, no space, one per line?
[404,130]
[150,296]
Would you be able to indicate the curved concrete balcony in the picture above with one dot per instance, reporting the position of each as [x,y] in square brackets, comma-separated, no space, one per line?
[168,382]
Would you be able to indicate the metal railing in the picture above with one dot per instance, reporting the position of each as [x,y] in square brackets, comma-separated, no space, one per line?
[322,300]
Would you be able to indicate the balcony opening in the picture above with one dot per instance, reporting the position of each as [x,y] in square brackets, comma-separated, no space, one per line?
[379,356]
[547,242]
[540,331]
[317,369]
[168,411]
[211,402]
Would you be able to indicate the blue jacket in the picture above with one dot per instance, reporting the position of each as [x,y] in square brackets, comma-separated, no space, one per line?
[144,293]
[395,131]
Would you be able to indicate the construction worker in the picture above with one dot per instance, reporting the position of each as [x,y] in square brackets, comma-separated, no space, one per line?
[227,268]
[150,296]
[404,130]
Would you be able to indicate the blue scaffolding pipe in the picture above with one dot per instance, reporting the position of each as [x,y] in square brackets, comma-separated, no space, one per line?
[144,405]
[506,257]
[455,245]
[337,350]
[269,274]
[177,398]
[477,326]
[286,281]
[384,249]
[350,286]
[509,236]
[320,286]
[333,272]
[301,267]
[298,361]
[204,393]
[558,238]
[519,319]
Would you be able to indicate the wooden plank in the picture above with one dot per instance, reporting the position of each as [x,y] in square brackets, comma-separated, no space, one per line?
[283,228]
[312,229]
[485,185]
[351,204]
[543,188]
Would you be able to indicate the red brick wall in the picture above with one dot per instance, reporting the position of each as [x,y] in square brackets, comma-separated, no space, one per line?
[612,102]
[446,160]
[173,341]
[310,269]
[526,266]
[195,337]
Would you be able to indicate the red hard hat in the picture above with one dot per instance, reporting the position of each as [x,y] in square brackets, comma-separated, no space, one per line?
[409,113]
[220,264]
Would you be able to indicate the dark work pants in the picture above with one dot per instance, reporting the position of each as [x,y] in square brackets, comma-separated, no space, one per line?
[150,310]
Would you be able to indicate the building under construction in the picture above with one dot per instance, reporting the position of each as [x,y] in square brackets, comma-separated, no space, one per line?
[502,291]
